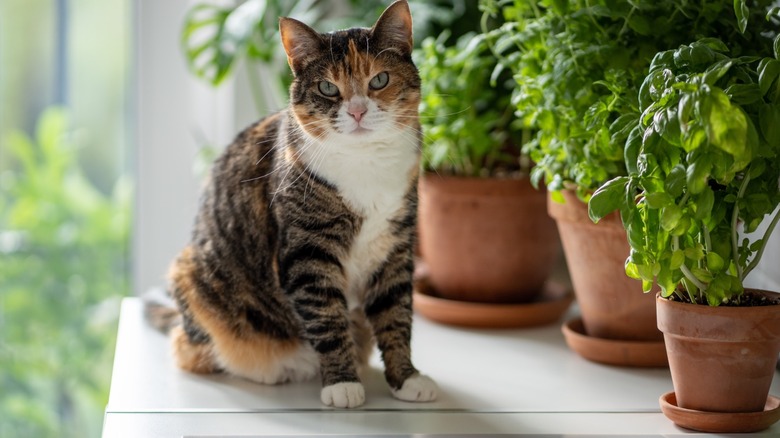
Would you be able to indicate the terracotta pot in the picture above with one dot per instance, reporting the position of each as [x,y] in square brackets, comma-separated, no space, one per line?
[485,240]
[722,359]
[612,304]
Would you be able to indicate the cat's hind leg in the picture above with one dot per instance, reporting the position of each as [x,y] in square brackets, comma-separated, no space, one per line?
[195,357]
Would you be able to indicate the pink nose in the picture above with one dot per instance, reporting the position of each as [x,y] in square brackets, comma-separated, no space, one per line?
[357,111]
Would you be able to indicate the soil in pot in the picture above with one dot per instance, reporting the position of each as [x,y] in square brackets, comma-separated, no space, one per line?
[722,358]
[486,240]
[612,304]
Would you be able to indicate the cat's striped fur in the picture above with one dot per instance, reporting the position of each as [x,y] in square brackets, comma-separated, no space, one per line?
[301,254]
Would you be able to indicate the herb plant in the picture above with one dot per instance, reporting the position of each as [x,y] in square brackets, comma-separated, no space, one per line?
[468,122]
[703,163]
[579,65]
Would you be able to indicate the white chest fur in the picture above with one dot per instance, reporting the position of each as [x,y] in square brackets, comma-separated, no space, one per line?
[373,178]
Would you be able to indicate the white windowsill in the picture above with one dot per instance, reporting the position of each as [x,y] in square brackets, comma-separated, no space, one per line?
[492,382]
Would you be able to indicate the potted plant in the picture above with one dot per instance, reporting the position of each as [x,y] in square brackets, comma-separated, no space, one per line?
[578,68]
[484,235]
[705,167]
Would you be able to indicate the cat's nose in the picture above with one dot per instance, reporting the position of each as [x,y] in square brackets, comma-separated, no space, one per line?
[357,111]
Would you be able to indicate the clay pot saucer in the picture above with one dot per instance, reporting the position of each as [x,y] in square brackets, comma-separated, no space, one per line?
[720,422]
[641,354]
[547,308]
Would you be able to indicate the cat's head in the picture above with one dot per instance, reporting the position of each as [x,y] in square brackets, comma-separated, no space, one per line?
[353,83]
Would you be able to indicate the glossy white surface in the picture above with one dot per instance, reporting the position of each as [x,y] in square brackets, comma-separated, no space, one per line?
[491,382]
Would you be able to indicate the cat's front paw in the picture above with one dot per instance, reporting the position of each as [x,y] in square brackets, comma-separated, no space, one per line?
[418,388]
[343,395]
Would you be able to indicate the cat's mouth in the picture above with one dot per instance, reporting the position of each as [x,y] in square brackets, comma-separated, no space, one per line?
[360,130]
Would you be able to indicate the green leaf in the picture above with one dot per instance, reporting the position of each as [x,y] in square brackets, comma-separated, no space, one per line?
[670,217]
[702,274]
[716,71]
[769,121]
[608,198]
[675,181]
[658,199]
[704,202]
[715,263]
[767,73]
[698,174]
[229,31]
[694,253]
[744,94]
[665,280]
[742,11]
[632,271]
[727,126]
[693,139]
[631,150]
[776,45]
[678,258]
[714,44]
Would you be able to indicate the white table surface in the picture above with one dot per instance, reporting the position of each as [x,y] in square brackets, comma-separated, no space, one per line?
[523,382]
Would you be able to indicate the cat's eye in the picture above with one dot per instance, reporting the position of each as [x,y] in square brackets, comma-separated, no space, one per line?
[328,89]
[379,81]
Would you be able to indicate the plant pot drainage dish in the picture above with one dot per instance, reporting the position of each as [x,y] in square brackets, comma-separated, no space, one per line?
[547,308]
[722,361]
[618,324]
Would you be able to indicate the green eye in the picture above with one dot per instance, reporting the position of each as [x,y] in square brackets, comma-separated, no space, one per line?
[379,81]
[328,89]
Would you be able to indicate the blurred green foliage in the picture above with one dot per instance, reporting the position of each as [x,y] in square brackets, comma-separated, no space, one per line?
[63,269]
[215,36]
[466,114]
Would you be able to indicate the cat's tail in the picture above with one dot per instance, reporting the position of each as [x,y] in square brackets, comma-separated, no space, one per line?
[160,312]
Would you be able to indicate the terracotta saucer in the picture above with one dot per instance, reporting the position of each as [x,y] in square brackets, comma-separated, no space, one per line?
[548,308]
[720,422]
[645,354]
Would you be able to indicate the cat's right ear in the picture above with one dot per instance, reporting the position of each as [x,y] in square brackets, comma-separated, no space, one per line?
[301,43]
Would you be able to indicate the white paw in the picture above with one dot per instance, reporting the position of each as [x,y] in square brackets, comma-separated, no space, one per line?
[343,395]
[417,388]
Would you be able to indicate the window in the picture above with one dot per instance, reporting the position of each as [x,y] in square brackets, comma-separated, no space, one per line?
[65,210]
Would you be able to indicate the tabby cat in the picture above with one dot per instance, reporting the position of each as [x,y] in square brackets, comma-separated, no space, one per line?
[301,254]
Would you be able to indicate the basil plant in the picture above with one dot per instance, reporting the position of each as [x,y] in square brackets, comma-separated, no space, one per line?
[703,164]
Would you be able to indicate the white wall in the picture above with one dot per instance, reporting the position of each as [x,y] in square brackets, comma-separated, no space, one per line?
[767,273]
[174,113]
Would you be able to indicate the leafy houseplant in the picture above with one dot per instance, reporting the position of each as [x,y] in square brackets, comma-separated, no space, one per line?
[579,66]
[705,164]
[476,203]
[469,125]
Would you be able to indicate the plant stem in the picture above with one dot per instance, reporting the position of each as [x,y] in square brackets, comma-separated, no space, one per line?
[707,239]
[757,257]
[734,220]
[687,272]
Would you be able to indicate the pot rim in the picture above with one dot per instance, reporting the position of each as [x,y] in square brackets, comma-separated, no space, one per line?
[757,323]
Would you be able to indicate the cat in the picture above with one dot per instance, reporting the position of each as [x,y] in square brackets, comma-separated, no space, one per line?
[301,255]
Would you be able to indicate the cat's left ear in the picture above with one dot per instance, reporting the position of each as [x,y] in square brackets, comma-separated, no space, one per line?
[301,43]
[393,30]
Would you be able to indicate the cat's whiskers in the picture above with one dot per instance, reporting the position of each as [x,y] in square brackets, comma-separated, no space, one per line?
[405,133]
[278,166]
[308,142]
[322,152]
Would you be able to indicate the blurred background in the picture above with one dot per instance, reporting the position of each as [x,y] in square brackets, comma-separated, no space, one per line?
[106,130]
[65,209]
